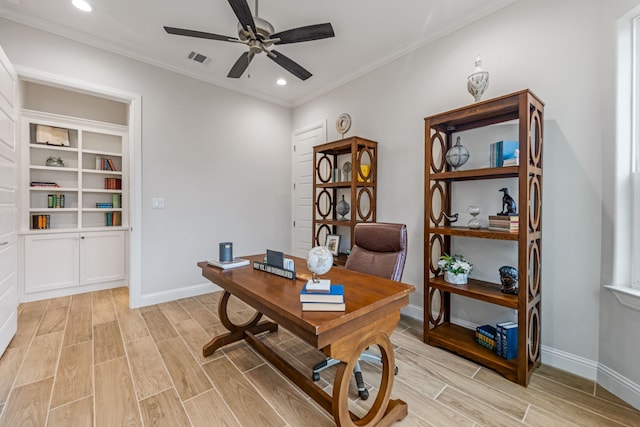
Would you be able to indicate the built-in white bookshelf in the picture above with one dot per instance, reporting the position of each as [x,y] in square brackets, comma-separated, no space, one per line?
[74,208]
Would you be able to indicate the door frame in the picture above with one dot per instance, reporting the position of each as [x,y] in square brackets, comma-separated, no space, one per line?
[134,101]
[318,125]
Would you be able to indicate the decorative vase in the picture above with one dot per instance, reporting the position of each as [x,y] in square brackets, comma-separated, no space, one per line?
[457,155]
[456,279]
[478,82]
[365,170]
[343,208]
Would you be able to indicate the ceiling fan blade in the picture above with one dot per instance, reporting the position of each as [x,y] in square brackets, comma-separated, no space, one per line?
[199,34]
[243,13]
[241,65]
[304,34]
[289,65]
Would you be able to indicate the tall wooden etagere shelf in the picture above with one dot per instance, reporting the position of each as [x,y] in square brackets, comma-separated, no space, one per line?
[440,129]
[358,188]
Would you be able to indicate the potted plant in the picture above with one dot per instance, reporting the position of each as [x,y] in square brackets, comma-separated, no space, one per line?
[456,268]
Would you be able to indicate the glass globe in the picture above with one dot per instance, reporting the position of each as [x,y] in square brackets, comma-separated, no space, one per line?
[457,155]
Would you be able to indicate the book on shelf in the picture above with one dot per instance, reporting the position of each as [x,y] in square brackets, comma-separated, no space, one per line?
[104,205]
[55,201]
[112,219]
[510,218]
[507,340]
[40,222]
[503,222]
[112,184]
[44,184]
[502,151]
[236,262]
[335,295]
[323,306]
[105,164]
[499,333]
[116,200]
[486,336]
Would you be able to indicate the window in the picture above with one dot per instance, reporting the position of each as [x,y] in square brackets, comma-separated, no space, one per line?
[624,214]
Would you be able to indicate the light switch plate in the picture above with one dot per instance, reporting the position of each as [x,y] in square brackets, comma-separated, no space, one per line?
[158,203]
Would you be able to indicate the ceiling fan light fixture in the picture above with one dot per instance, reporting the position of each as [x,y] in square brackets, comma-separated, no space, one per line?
[82,5]
[281,82]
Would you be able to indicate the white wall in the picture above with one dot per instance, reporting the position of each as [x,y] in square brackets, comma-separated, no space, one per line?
[548,46]
[220,159]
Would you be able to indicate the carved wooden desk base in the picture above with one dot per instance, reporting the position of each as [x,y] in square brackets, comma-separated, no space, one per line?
[383,412]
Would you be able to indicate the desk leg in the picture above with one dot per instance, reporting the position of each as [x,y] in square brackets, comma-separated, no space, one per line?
[383,412]
[236,332]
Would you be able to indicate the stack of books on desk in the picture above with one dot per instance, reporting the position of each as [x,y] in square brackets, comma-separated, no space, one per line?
[332,300]
[504,223]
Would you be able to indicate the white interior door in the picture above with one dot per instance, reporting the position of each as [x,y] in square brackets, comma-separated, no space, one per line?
[8,203]
[303,142]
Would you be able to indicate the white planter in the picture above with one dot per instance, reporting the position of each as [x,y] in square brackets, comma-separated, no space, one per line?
[456,279]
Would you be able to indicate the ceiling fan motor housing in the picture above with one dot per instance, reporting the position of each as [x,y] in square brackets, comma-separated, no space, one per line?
[263,29]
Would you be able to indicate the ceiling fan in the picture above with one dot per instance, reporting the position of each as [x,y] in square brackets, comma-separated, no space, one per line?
[259,35]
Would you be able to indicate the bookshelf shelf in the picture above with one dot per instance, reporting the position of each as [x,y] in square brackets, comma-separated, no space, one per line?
[359,190]
[101,172]
[440,131]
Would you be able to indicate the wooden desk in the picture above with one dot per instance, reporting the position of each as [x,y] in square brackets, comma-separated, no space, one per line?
[373,310]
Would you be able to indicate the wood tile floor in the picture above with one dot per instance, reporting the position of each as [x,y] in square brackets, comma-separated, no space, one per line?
[88,360]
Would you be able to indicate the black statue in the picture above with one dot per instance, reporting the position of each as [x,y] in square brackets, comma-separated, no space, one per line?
[508,204]
[509,279]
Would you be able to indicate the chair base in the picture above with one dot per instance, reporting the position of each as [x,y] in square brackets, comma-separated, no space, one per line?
[357,372]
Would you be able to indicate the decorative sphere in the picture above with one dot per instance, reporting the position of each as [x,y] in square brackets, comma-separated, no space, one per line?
[343,207]
[457,155]
[319,260]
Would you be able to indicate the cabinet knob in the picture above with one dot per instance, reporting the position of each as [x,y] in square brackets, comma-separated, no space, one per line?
[82,237]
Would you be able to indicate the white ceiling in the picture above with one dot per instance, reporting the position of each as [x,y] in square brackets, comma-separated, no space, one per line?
[368,34]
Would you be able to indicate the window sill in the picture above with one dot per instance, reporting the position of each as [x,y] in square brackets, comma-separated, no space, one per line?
[629,297]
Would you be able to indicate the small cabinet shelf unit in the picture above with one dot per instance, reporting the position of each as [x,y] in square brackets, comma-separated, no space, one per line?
[527,110]
[331,184]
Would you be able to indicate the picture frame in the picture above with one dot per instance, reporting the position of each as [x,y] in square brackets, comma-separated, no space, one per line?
[333,243]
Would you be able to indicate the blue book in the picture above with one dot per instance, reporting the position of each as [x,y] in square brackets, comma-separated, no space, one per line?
[510,350]
[500,337]
[501,151]
[506,150]
[335,295]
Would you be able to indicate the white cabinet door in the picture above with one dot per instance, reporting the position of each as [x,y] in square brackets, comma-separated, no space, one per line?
[102,257]
[51,261]
[8,203]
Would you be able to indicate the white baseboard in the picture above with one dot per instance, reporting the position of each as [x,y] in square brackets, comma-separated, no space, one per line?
[569,362]
[175,294]
[619,385]
[413,311]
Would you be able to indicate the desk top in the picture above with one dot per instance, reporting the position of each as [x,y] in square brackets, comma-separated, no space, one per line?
[366,297]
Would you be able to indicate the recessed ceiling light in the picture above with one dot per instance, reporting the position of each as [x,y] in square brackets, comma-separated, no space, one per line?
[281,82]
[82,5]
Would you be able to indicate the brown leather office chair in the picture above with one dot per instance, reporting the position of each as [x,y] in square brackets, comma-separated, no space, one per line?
[379,249]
